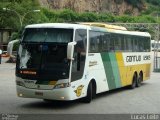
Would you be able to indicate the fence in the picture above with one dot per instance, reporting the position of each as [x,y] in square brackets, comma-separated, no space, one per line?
[157,64]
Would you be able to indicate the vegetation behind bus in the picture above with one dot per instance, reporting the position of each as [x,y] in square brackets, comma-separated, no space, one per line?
[66,15]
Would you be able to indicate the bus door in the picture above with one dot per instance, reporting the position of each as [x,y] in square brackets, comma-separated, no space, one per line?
[79,54]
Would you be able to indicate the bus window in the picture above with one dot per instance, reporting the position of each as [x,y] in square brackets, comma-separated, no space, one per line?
[48,35]
[146,44]
[111,43]
[117,43]
[105,42]
[123,43]
[135,44]
[140,44]
[128,43]
[79,54]
[94,41]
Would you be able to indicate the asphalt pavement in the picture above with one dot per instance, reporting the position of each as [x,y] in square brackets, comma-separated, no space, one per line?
[145,99]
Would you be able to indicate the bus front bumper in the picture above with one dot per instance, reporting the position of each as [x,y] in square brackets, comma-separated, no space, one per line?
[55,94]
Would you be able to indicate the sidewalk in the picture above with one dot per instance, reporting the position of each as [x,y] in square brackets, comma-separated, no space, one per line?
[4,59]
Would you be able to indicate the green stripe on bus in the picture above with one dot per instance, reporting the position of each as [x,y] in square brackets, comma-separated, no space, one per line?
[115,69]
[108,70]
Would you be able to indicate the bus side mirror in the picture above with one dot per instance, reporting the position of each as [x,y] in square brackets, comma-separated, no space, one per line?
[70,50]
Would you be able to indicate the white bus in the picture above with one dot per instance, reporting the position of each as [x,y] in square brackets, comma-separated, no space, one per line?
[58,61]
[155,45]
[10,47]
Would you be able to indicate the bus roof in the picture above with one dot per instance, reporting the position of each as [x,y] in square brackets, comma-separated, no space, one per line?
[115,29]
[97,27]
[136,33]
[104,25]
[57,25]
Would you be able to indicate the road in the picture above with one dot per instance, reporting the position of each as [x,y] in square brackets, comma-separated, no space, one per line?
[145,99]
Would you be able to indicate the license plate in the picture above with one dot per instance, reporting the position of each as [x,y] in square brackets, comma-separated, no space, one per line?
[39,93]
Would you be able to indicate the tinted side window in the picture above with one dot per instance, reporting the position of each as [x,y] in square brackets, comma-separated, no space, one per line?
[79,54]
[105,42]
[129,43]
[147,45]
[94,41]
[99,42]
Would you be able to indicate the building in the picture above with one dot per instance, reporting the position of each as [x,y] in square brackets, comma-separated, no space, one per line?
[5,34]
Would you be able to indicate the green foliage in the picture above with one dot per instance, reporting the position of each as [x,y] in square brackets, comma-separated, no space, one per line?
[106,17]
[88,16]
[147,19]
[9,19]
[154,2]
[17,9]
[14,36]
[68,15]
[124,19]
[16,45]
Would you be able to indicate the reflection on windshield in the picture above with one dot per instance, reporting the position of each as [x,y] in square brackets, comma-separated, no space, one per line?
[47,60]
[25,56]
[42,54]
[48,35]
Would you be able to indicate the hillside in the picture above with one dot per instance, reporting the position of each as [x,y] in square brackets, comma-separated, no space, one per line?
[118,7]
[133,11]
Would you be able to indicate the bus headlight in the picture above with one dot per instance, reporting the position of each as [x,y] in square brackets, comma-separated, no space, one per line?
[20,83]
[62,85]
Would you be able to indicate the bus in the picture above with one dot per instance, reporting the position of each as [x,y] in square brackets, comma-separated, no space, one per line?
[62,61]
[155,45]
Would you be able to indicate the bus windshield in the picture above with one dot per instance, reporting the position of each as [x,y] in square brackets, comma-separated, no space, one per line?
[44,51]
[48,35]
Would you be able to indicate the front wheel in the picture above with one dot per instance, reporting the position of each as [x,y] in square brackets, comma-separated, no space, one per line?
[47,101]
[88,98]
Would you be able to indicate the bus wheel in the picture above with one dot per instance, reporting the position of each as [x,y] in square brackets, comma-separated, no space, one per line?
[139,80]
[134,81]
[48,101]
[88,98]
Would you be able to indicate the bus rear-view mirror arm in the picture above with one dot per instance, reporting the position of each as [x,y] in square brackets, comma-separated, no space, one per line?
[70,50]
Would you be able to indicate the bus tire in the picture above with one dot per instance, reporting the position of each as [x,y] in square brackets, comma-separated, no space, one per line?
[89,96]
[94,89]
[134,81]
[47,100]
[139,80]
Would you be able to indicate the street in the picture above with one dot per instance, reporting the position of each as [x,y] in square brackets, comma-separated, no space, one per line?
[145,99]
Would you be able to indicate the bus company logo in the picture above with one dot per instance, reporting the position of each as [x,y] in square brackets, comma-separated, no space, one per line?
[92,63]
[137,58]
[78,91]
